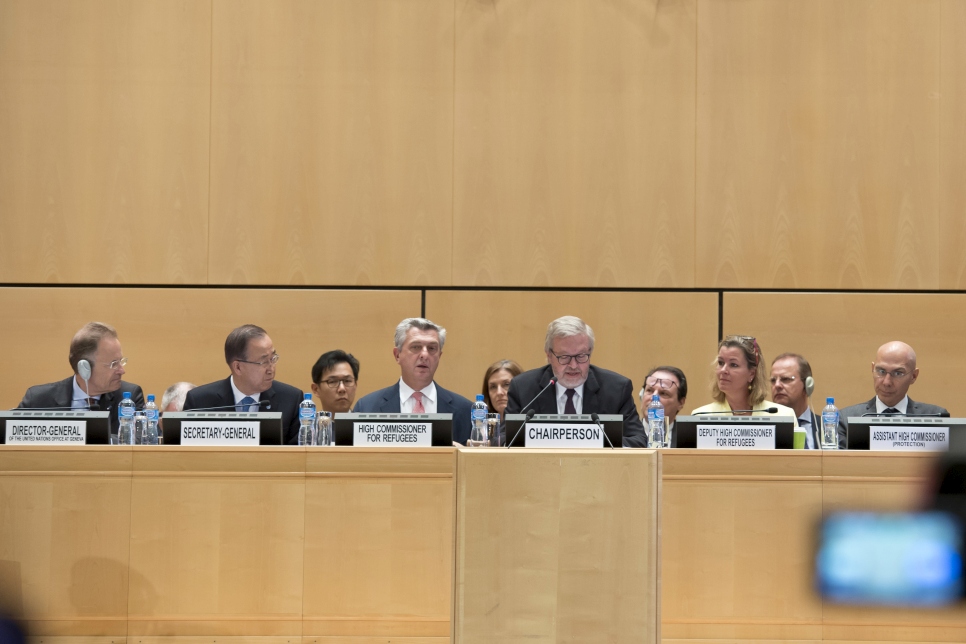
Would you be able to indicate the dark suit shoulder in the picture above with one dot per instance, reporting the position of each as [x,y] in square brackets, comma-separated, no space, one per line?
[373,402]
[287,390]
[612,378]
[51,394]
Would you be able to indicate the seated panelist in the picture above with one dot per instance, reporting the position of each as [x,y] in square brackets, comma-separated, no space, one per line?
[251,387]
[580,387]
[335,377]
[671,387]
[98,364]
[894,370]
[740,383]
[496,384]
[418,349]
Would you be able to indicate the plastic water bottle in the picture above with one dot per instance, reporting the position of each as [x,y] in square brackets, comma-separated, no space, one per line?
[307,421]
[140,422]
[830,425]
[480,431]
[150,436]
[655,422]
[125,414]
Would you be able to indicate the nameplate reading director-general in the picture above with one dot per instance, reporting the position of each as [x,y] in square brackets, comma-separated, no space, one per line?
[743,436]
[46,432]
[893,438]
[392,434]
[219,433]
[563,435]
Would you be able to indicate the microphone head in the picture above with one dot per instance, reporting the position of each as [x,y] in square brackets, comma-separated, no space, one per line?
[772,410]
[530,414]
[595,417]
[552,381]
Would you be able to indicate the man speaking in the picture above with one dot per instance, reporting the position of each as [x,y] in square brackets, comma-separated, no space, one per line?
[581,388]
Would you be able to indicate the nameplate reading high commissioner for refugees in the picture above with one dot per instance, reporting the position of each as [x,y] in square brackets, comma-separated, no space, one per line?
[46,432]
[736,436]
[892,438]
[219,433]
[388,434]
[564,435]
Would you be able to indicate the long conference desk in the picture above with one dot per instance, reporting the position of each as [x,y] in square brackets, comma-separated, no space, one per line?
[337,545]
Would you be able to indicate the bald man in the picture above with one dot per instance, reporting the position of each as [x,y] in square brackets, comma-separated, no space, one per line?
[893,372]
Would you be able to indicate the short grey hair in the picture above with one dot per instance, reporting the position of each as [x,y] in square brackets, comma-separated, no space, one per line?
[423,325]
[176,394]
[566,327]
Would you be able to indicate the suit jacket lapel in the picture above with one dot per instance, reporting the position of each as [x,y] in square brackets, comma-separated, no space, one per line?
[444,402]
[64,395]
[269,395]
[390,401]
[591,394]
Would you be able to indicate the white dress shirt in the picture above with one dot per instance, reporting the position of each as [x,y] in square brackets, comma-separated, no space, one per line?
[407,402]
[79,399]
[562,398]
[239,395]
[902,405]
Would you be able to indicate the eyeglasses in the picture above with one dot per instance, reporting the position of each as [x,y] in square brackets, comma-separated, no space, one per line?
[114,365]
[785,380]
[581,358]
[898,374]
[663,383]
[333,383]
[264,363]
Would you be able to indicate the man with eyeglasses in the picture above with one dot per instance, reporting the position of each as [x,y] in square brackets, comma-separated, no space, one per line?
[671,387]
[581,388]
[418,348]
[791,385]
[251,387]
[335,376]
[893,372]
[98,363]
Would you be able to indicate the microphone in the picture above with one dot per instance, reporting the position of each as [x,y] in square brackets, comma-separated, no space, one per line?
[596,418]
[525,407]
[524,423]
[770,410]
[52,409]
[232,407]
[939,415]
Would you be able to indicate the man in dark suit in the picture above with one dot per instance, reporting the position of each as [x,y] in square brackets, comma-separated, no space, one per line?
[251,386]
[671,386]
[418,348]
[791,385]
[893,372]
[98,364]
[581,388]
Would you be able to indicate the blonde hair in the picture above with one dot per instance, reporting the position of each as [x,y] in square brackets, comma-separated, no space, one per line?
[754,359]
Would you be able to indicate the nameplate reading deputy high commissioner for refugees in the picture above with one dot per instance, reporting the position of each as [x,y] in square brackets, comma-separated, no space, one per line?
[388,434]
[219,433]
[47,432]
[891,438]
[563,435]
[736,437]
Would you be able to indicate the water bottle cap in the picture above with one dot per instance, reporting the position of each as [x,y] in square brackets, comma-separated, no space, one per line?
[654,398]
[307,396]
[829,400]
[150,397]
[479,397]
[126,396]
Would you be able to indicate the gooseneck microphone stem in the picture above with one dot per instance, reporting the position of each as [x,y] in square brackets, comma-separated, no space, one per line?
[522,425]
[770,410]
[529,412]
[596,418]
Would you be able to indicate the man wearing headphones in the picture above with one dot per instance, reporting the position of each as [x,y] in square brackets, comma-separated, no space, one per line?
[98,364]
[792,385]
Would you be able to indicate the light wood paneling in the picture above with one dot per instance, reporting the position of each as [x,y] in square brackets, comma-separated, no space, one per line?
[574,558]
[818,144]
[104,113]
[378,543]
[332,142]
[953,145]
[179,334]
[574,143]
[839,333]
[634,331]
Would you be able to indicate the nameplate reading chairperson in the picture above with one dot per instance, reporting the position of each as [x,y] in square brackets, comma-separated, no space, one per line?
[46,432]
[392,434]
[220,433]
[736,436]
[564,435]
[890,438]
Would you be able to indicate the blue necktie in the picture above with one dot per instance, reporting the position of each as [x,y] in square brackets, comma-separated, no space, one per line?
[245,403]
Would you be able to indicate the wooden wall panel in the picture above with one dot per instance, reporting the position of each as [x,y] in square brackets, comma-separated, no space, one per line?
[332,142]
[574,143]
[634,331]
[179,334]
[104,112]
[818,144]
[839,334]
[953,146]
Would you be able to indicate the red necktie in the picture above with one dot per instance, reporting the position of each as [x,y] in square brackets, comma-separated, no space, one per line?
[418,407]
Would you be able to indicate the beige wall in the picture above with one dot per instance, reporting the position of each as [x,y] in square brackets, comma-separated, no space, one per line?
[633,144]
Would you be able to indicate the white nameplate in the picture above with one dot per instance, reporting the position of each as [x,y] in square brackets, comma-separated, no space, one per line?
[563,435]
[46,432]
[388,434]
[921,439]
[220,433]
[736,437]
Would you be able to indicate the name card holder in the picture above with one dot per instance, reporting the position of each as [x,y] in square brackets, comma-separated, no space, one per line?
[222,428]
[906,433]
[724,431]
[54,427]
[393,430]
[565,431]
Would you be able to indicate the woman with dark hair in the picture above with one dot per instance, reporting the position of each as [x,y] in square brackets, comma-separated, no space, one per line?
[740,383]
[496,384]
